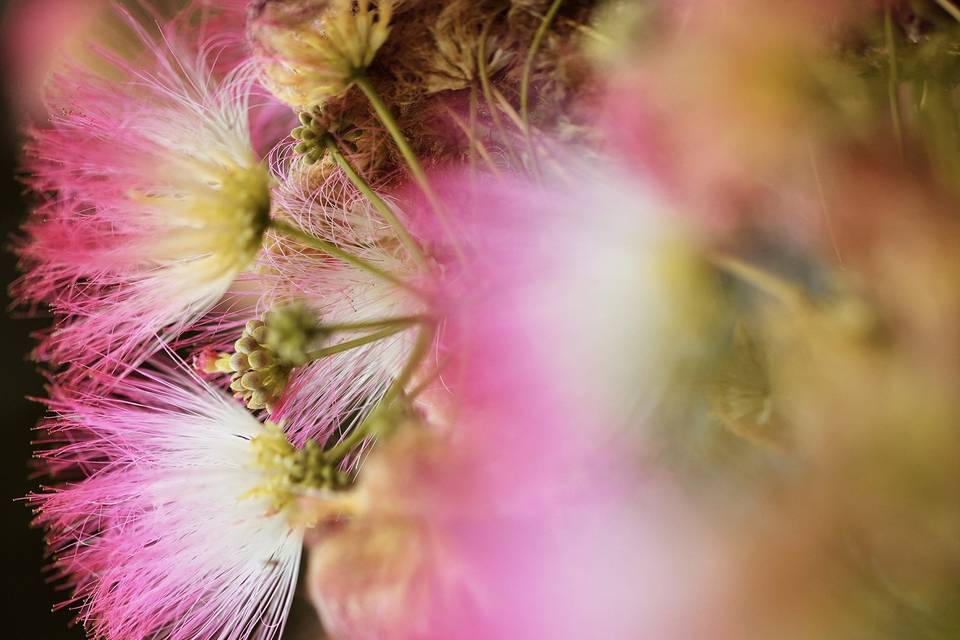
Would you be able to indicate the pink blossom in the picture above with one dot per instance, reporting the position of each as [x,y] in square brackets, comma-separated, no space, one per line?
[151,201]
[521,507]
[157,528]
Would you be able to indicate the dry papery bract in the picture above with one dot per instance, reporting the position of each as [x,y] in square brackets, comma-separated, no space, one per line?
[428,73]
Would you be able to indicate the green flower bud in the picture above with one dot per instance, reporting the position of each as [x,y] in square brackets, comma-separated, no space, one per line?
[292,332]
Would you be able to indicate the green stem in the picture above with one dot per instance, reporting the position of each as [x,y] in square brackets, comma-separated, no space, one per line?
[950,8]
[528,69]
[419,175]
[488,93]
[373,324]
[893,80]
[343,448]
[378,203]
[419,352]
[760,279]
[393,127]
[356,343]
[508,109]
[335,251]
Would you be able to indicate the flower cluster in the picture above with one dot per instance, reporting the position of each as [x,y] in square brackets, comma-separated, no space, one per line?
[518,318]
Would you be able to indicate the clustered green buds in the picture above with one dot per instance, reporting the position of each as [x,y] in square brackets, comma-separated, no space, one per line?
[268,351]
[259,376]
[311,135]
[317,125]
[289,472]
[292,332]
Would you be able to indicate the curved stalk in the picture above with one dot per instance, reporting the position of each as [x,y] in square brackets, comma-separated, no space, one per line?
[378,203]
[488,93]
[416,169]
[528,70]
[950,8]
[760,279]
[893,78]
[373,324]
[369,425]
[475,143]
[356,343]
[335,251]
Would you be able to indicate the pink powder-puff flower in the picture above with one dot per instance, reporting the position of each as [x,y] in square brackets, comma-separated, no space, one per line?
[312,50]
[494,532]
[180,525]
[519,508]
[152,201]
[593,273]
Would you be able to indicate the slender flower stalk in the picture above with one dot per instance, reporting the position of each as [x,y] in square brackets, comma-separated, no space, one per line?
[476,145]
[382,207]
[335,251]
[528,70]
[374,324]
[951,8]
[369,426]
[359,342]
[485,84]
[416,169]
[761,279]
[893,79]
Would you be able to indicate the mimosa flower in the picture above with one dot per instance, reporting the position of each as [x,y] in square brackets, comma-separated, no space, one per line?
[182,526]
[512,512]
[311,50]
[486,528]
[153,201]
[595,261]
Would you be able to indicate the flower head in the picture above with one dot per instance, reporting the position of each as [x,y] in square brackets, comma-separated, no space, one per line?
[258,373]
[311,50]
[177,530]
[154,201]
[482,529]
[477,521]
